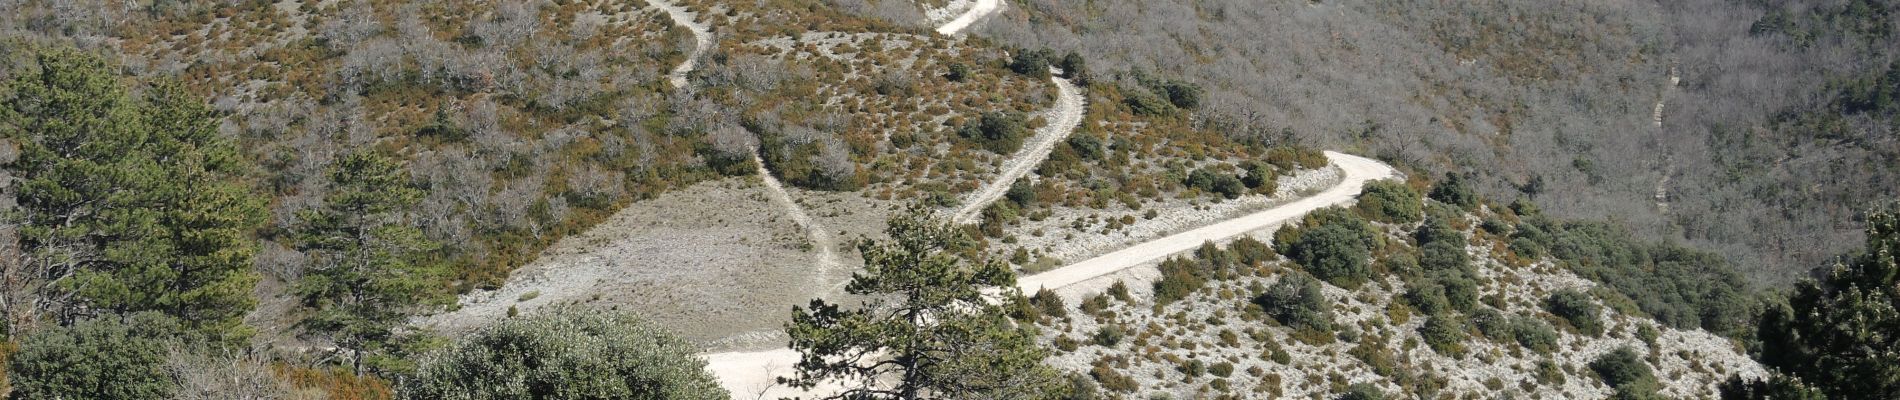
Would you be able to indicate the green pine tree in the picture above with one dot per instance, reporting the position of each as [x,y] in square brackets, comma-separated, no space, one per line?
[1841,334]
[366,278]
[128,204]
[926,325]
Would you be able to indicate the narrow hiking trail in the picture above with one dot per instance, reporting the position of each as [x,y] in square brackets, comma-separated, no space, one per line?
[1668,160]
[982,8]
[575,272]
[754,374]
[820,237]
[1066,115]
[702,40]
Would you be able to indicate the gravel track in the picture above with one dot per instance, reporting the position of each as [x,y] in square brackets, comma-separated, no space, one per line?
[1357,170]
[983,8]
[755,373]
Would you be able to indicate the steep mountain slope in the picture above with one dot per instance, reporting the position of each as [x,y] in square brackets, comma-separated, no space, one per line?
[1603,99]
[753,373]
[1226,339]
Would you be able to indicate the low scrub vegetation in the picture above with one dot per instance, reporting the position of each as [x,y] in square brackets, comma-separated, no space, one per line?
[565,354]
[1296,301]
[1333,244]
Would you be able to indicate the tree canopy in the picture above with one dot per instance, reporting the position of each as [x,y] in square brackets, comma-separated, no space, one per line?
[1333,244]
[101,358]
[367,277]
[1841,333]
[927,325]
[128,202]
[565,354]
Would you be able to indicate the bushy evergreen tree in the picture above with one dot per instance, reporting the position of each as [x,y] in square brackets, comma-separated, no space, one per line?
[1841,333]
[129,203]
[367,276]
[926,322]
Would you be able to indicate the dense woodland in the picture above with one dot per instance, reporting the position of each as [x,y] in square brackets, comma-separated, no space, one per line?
[172,166]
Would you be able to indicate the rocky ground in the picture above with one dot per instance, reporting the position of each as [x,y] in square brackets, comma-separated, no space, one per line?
[1209,328]
[711,262]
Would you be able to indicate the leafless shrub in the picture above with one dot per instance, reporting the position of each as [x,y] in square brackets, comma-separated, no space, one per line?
[355,24]
[732,141]
[205,377]
[281,262]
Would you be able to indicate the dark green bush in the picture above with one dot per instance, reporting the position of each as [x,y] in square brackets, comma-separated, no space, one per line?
[1454,191]
[1493,325]
[958,72]
[1108,335]
[101,358]
[565,354]
[1033,63]
[1262,177]
[1296,301]
[1443,255]
[997,131]
[1578,309]
[1624,370]
[1461,289]
[1210,181]
[1391,202]
[1183,95]
[1677,286]
[1179,278]
[1218,262]
[1332,244]
[1075,68]
[1221,369]
[1251,252]
[1087,146]
[1049,303]
[1534,334]
[1445,334]
[1362,391]
[1436,230]
[1146,104]
[1530,333]
[1428,297]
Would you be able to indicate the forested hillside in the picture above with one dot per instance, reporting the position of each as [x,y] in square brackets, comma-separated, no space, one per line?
[1772,133]
[895,199]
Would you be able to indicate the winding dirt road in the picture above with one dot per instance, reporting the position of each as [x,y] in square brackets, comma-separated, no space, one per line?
[1357,171]
[982,8]
[702,40]
[1066,115]
[748,374]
